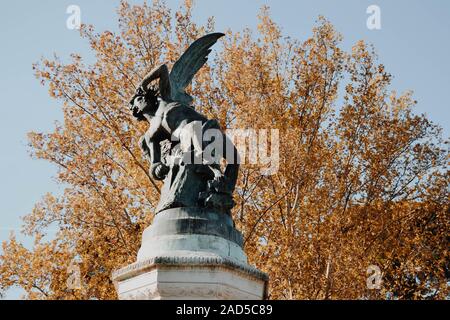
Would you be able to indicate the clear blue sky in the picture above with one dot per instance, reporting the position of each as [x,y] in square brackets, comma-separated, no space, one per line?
[413,43]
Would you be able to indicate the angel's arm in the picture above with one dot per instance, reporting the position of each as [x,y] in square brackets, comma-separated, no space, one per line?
[144,147]
[152,151]
[161,73]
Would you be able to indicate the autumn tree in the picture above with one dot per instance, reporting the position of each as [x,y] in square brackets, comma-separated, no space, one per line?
[362,179]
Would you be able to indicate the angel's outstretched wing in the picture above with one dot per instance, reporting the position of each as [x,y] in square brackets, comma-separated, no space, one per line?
[188,64]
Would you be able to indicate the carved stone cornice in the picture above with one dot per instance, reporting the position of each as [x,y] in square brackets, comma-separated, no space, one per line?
[147,265]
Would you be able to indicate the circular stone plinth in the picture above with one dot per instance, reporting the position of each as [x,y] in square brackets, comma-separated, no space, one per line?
[192,229]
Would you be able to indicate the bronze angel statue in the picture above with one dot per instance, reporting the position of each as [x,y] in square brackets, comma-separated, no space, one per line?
[175,142]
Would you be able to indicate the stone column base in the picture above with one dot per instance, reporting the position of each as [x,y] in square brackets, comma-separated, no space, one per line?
[191,253]
[190,276]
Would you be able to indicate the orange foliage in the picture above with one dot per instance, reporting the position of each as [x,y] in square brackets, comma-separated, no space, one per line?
[362,180]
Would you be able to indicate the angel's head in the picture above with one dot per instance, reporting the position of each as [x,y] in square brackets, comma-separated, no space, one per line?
[144,101]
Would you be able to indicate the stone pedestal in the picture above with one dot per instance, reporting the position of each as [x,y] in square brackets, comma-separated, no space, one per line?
[191,253]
